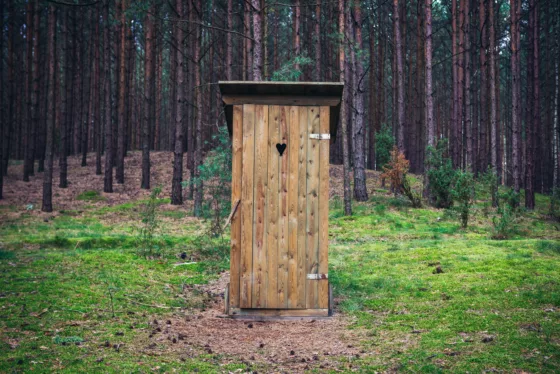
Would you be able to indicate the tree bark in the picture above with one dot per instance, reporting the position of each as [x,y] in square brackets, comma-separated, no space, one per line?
[148,97]
[121,121]
[229,43]
[360,189]
[516,93]
[257,36]
[176,185]
[430,126]
[343,117]
[400,77]
[469,163]
[28,117]
[318,59]
[51,97]
[198,193]
[108,175]
[534,123]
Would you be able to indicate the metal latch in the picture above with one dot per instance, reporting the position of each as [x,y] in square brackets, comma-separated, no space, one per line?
[317,276]
[320,136]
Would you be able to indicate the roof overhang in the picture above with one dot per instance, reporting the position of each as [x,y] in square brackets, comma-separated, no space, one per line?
[283,93]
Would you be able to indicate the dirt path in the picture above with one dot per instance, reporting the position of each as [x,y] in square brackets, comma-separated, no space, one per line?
[275,346]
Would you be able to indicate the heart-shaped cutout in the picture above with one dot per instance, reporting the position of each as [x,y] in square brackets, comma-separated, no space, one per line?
[281,148]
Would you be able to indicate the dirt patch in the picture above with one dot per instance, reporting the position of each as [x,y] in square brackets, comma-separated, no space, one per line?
[281,346]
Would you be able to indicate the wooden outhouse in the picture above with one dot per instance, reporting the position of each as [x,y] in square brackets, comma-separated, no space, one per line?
[281,132]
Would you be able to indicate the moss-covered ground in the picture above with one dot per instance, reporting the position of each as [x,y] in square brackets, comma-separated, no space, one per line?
[75,295]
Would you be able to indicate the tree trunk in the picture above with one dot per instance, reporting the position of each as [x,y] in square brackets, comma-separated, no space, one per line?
[229,43]
[343,117]
[469,164]
[516,93]
[28,118]
[400,77]
[2,114]
[63,114]
[318,59]
[198,193]
[455,117]
[257,35]
[360,189]
[297,28]
[121,121]
[176,185]
[483,144]
[430,126]
[148,97]
[51,97]
[107,87]
[534,123]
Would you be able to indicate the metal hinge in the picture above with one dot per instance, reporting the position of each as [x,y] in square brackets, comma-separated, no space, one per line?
[317,276]
[320,136]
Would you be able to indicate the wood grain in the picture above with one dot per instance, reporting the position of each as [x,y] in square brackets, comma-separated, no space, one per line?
[323,299]
[302,208]
[293,183]
[260,269]
[248,151]
[283,212]
[272,205]
[312,207]
[236,173]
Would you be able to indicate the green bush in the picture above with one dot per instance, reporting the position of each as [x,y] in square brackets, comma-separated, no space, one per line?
[413,196]
[384,143]
[441,174]
[215,176]
[463,194]
[291,70]
[148,243]
[504,223]
[489,183]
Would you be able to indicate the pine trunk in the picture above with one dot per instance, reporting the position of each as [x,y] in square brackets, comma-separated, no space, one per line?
[51,97]
[176,185]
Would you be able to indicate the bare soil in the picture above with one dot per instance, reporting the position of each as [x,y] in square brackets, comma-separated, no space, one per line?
[278,346]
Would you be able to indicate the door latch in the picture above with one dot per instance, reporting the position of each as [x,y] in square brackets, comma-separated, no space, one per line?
[320,136]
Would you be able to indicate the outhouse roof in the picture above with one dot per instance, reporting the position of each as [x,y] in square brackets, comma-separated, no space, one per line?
[283,93]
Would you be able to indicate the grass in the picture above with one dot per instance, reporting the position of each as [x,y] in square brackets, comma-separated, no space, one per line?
[76,297]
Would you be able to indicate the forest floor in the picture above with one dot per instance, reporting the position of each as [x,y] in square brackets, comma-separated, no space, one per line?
[77,296]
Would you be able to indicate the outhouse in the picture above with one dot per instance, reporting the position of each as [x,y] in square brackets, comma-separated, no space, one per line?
[281,133]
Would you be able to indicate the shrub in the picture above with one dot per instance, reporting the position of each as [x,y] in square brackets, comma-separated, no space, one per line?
[396,172]
[291,70]
[504,223]
[148,245]
[440,173]
[384,143]
[489,182]
[463,194]
[511,199]
[215,175]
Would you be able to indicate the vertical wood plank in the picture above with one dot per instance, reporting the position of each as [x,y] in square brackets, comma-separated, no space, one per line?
[260,269]
[312,207]
[323,299]
[236,175]
[247,206]
[293,183]
[272,205]
[302,208]
[283,212]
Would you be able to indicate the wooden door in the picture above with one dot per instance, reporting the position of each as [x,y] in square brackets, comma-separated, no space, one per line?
[279,239]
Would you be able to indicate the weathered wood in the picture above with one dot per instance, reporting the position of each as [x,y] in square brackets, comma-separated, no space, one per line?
[272,204]
[302,208]
[260,269]
[248,152]
[280,100]
[237,167]
[283,213]
[279,312]
[312,222]
[323,299]
[293,183]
